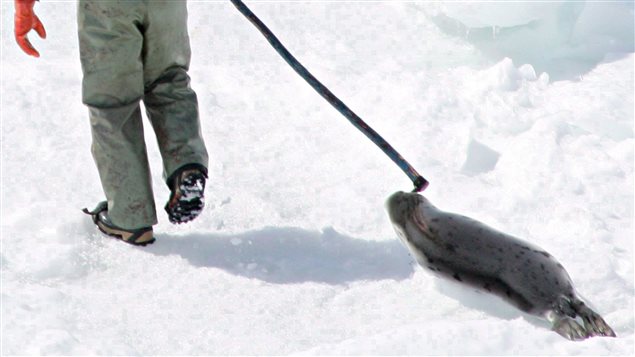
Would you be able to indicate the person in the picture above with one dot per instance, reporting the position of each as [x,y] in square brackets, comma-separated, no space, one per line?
[133,51]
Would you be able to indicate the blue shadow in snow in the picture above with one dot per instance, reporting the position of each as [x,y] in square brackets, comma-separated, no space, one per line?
[291,255]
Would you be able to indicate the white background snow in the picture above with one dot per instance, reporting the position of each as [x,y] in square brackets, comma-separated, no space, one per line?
[519,114]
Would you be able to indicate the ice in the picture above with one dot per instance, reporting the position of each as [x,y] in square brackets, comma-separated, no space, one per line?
[501,13]
[563,38]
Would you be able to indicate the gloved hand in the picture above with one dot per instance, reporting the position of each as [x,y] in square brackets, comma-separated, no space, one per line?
[25,21]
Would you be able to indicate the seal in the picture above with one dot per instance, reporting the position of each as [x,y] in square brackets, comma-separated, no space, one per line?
[456,247]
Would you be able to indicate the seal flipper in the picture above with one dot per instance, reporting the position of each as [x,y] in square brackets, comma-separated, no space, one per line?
[593,322]
[568,328]
[563,318]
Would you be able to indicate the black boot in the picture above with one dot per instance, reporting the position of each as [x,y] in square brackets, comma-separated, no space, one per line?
[187,197]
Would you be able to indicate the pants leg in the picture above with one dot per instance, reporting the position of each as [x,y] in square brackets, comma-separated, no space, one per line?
[171,104]
[111,47]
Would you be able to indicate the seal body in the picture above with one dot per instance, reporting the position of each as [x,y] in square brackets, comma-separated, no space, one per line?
[462,249]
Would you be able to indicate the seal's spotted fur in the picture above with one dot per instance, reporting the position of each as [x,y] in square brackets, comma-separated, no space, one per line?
[457,247]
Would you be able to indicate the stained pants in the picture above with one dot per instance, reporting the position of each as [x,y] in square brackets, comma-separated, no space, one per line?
[134,51]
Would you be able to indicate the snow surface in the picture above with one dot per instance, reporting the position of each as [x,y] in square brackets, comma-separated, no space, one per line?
[514,120]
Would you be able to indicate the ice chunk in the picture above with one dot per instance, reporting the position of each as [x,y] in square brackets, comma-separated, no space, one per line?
[527,72]
[480,159]
[500,14]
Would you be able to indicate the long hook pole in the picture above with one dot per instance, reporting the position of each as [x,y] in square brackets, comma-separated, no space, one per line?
[419,182]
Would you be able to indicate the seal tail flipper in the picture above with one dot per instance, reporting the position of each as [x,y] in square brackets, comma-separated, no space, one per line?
[563,320]
[593,322]
[568,327]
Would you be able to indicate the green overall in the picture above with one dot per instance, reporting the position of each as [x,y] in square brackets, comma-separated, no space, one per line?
[135,50]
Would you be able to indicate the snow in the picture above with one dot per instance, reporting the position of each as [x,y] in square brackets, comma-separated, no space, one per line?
[520,119]
[563,38]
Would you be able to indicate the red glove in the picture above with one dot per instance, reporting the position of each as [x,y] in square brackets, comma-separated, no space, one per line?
[25,21]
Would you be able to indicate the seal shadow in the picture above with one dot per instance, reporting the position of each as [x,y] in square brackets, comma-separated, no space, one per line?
[289,255]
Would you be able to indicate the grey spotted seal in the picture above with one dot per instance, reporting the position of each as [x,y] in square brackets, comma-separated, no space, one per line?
[462,249]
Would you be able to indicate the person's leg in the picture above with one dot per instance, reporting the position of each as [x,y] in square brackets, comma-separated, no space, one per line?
[170,102]
[111,46]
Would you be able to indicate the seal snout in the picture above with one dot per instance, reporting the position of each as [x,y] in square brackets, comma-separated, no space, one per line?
[395,205]
[394,200]
[401,205]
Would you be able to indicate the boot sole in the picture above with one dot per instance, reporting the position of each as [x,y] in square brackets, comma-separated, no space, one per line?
[139,237]
[141,240]
[188,203]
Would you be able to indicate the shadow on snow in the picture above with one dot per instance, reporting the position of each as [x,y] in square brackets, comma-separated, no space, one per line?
[291,255]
